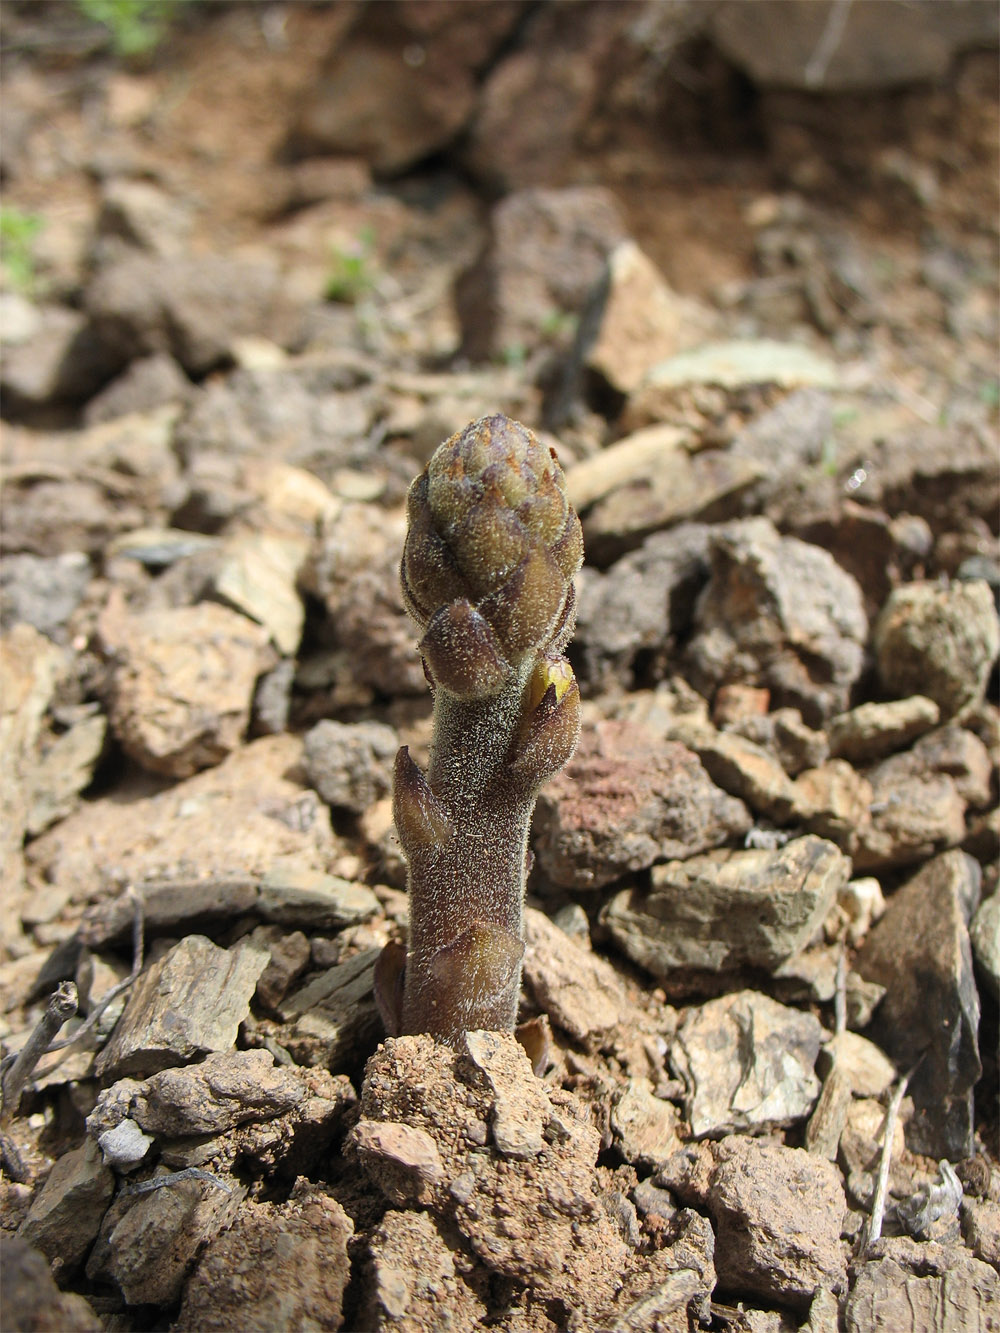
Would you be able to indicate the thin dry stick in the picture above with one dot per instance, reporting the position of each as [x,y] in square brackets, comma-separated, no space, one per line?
[175,1177]
[62,1006]
[840,996]
[873,1227]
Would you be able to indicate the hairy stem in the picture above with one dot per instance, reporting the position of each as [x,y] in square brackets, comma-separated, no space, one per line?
[467,893]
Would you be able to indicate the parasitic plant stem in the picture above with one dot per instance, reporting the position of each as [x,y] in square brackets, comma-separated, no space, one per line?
[487,575]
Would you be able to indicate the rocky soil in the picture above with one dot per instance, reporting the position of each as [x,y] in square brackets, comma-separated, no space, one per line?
[739,264]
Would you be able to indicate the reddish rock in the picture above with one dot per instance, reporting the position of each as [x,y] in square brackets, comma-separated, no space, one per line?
[625,801]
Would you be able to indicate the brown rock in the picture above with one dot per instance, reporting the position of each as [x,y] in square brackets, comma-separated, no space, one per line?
[411,1284]
[778,1214]
[915,812]
[183,684]
[29,1288]
[981,1229]
[729,909]
[920,951]
[580,992]
[778,612]
[558,70]
[624,802]
[189,1002]
[193,306]
[30,667]
[909,1287]
[876,729]
[546,249]
[493,1197]
[646,1128]
[748,771]
[224,1090]
[333,1016]
[707,485]
[197,849]
[938,641]
[149,1241]
[234,1284]
[637,320]
[402,83]
[836,800]
[783,732]
[66,1214]
[404,1158]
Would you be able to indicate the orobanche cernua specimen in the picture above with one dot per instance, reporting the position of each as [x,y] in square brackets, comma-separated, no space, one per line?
[487,575]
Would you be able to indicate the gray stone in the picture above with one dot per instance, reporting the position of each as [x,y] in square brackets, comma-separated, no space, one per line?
[147,383]
[65,767]
[233,1284]
[355,573]
[874,729]
[333,1017]
[44,591]
[747,1063]
[985,936]
[676,1282]
[729,909]
[624,802]
[125,1145]
[785,42]
[920,951]
[780,613]
[149,1241]
[189,1002]
[61,360]
[193,306]
[710,484]
[640,607]
[909,1287]
[778,1214]
[350,763]
[293,896]
[226,1089]
[66,1214]
[141,214]
[289,957]
[545,251]
[938,641]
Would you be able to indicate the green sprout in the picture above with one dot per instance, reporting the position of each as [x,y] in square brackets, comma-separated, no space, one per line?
[17,247]
[351,274]
[136,27]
